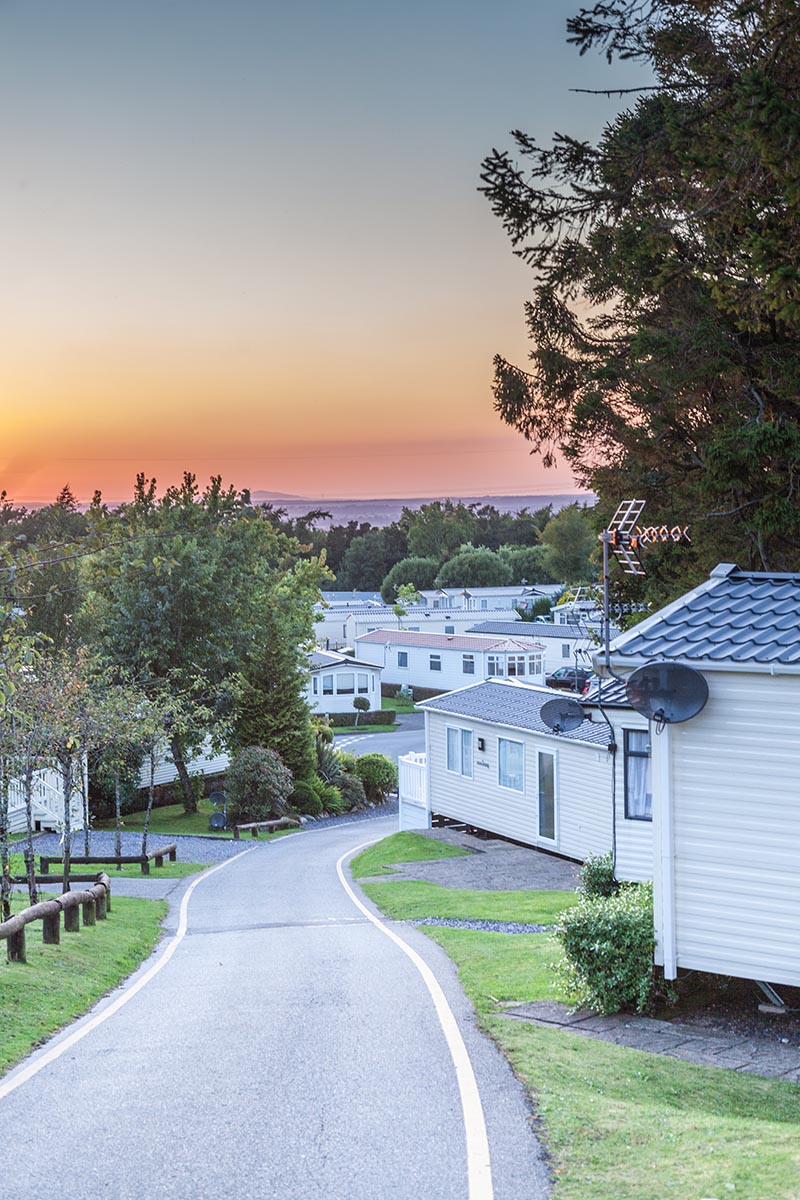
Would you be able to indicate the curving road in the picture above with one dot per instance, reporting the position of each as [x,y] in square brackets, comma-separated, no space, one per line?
[287,1048]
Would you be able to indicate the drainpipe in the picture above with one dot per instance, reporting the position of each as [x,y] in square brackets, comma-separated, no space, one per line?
[664,883]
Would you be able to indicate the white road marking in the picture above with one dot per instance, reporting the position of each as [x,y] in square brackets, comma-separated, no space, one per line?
[49,1056]
[479,1167]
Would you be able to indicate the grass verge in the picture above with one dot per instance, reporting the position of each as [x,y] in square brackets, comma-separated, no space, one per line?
[400,848]
[621,1122]
[341,730]
[408,899]
[59,983]
[172,821]
[170,870]
[399,706]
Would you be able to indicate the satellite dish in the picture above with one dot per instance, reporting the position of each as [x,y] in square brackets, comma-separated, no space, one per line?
[562,715]
[667,693]
[217,798]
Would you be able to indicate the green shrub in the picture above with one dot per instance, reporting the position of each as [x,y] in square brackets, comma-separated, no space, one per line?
[304,799]
[608,943]
[331,798]
[329,766]
[353,793]
[386,716]
[597,876]
[258,785]
[378,774]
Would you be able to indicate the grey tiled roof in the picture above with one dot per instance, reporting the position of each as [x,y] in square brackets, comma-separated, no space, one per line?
[736,616]
[613,694]
[319,659]
[514,705]
[534,629]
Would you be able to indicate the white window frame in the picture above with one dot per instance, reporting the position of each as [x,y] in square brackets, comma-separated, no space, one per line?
[566,650]
[509,787]
[495,666]
[462,751]
[629,754]
[517,662]
[467,664]
[535,664]
[437,659]
[403,666]
[328,687]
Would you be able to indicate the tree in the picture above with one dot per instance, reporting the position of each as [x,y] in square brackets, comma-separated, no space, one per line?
[419,572]
[360,704]
[437,530]
[270,707]
[258,785]
[474,568]
[528,563]
[183,601]
[666,306]
[568,541]
[365,563]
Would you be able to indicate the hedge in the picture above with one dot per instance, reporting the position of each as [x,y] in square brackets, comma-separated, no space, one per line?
[377,716]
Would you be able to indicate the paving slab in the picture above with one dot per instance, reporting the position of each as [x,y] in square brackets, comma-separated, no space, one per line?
[493,865]
[673,1039]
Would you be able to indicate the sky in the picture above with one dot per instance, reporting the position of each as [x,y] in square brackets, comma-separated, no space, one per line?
[245,238]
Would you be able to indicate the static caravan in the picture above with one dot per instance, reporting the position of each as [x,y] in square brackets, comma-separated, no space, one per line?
[336,679]
[564,645]
[726,782]
[492,762]
[47,803]
[443,661]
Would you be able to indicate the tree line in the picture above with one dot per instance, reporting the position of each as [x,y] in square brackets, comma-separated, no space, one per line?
[447,543]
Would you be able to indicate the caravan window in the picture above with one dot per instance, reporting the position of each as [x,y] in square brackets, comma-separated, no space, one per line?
[459,751]
[638,785]
[511,764]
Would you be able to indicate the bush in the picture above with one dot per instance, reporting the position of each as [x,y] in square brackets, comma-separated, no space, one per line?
[608,943]
[378,774]
[353,793]
[305,799]
[378,716]
[331,798]
[258,785]
[404,693]
[597,876]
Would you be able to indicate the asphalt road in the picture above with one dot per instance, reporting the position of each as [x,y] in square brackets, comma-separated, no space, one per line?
[409,736]
[288,1049]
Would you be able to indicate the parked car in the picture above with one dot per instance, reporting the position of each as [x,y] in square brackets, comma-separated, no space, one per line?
[573,679]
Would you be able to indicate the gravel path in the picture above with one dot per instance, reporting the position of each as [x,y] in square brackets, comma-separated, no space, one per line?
[485,926]
[195,849]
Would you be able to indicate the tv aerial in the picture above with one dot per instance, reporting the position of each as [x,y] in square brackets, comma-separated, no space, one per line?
[667,693]
[625,536]
[561,714]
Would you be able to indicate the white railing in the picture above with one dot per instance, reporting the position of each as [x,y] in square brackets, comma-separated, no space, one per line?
[412,791]
[47,802]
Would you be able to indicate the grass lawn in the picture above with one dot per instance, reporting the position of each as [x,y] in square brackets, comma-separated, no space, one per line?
[58,983]
[170,870]
[340,730]
[408,899]
[172,821]
[400,706]
[400,848]
[616,1122]
[622,1123]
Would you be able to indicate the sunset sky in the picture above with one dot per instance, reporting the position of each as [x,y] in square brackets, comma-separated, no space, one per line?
[245,238]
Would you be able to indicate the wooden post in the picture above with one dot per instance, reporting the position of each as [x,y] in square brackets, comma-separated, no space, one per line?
[145,866]
[44,866]
[72,919]
[255,831]
[173,853]
[89,914]
[15,946]
[101,907]
[51,929]
[236,833]
[159,860]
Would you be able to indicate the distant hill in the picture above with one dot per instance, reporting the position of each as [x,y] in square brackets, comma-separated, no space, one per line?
[385,511]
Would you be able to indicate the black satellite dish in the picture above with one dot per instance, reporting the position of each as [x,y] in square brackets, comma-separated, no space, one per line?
[667,693]
[561,715]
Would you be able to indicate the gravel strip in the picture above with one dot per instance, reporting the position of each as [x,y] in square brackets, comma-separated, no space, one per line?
[191,848]
[485,926]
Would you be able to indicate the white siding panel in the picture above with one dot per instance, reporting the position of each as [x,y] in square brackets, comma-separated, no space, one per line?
[634,838]
[583,776]
[736,797]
